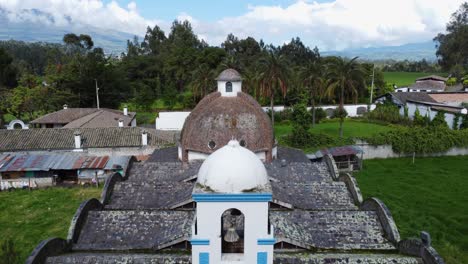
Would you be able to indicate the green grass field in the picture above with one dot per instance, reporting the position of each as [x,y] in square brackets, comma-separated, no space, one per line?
[30,217]
[402,79]
[351,128]
[430,195]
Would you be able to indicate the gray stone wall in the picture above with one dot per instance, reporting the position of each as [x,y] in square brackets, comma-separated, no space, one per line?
[385,217]
[386,151]
[47,248]
[79,218]
[109,187]
[353,188]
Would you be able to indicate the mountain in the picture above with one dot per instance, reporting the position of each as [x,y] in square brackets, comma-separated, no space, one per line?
[413,51]
[112,41]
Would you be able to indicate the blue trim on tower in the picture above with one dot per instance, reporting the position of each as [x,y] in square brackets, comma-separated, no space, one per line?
[262,257]
[238,197]
[200,242]
[266,241]
[204,258]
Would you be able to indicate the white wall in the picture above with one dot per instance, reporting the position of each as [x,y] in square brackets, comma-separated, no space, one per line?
[351,109]
[171,120]
[427,111]
[236,87]
[209,227]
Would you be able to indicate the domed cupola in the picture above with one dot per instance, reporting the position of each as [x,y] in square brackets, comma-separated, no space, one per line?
[223,115]
[233,169]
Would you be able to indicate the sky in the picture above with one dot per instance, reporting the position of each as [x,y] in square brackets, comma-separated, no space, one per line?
[328,24]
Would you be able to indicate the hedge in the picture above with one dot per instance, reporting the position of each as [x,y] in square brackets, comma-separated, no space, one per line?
[421,139]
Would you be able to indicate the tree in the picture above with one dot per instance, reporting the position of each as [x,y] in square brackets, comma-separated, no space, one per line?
[313,77]
[346,78]
[301,124]
[452,47]
[274,75]
[203,81]
[8,72]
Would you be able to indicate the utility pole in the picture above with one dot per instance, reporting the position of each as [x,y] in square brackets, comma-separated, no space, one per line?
[97,94]
[372,88]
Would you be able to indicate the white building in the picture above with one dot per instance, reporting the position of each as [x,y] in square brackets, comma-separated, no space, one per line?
[232,194]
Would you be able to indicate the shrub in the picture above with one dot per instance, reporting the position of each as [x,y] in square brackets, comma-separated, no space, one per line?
[420,120]
[300,116]
[439,120]
[340,113]
[320,114]
[389,113]
[451,81]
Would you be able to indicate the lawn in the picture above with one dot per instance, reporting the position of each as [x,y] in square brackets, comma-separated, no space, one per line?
[28,217]
[352,128]
[430,195]
[402,79]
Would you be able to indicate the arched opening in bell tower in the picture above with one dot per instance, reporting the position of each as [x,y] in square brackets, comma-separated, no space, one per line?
[232,232]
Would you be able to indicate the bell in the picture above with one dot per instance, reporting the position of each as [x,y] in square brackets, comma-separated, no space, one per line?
[231,235]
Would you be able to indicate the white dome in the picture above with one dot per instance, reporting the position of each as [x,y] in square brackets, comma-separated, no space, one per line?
[232,169]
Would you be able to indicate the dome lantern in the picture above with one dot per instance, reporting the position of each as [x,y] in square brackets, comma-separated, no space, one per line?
[229,82]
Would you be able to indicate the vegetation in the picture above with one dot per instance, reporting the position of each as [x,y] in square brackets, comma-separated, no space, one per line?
[389,113]
[452,49]
[429,195]
[28,217]
[324,134]
[430,139]
[346,80]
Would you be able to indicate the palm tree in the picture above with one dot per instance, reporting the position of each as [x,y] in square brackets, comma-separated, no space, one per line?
[274,74]
[313,77]
[251,81]
[346,77]
[203,81]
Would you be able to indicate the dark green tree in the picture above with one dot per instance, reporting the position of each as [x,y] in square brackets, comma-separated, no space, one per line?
[452,46]
[346,79]
[274,77]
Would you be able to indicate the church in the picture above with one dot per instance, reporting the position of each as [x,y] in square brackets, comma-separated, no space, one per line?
[227,193]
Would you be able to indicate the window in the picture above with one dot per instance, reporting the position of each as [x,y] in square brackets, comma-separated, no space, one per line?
[211,144]
[243,143]
[229,87]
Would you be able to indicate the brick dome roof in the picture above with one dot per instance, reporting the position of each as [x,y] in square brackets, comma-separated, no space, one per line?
[229,75]
[218,119]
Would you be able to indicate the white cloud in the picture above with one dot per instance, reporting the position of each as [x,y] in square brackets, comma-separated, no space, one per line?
[339,24]
[76,13]
[335,25]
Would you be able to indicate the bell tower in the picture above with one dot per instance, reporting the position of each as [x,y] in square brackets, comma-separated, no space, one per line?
[229,82]
[232,195]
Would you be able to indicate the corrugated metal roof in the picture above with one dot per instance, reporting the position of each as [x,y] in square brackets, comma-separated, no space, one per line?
[28,163]
[5,159]
[61,162]
[115,161]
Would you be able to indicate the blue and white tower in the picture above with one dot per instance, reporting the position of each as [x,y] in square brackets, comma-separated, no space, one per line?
[232,195]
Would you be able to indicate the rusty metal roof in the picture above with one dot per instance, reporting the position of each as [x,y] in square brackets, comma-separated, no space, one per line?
[62,162]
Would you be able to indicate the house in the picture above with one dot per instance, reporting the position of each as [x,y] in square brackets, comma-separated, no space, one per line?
[120,141]
[428,104]
[86,118]
[42,170]
[431,83]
